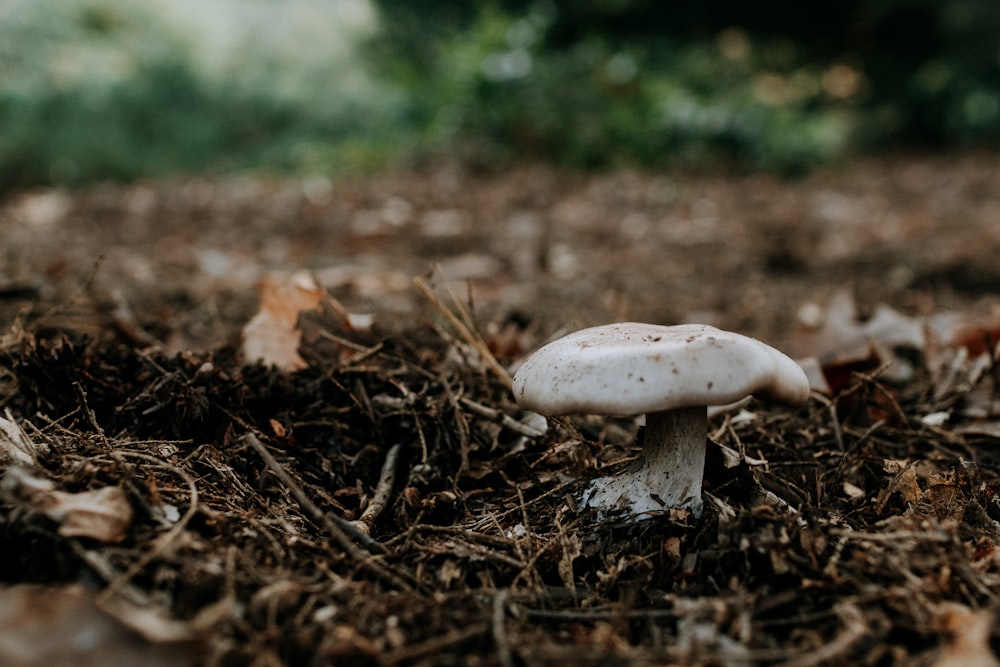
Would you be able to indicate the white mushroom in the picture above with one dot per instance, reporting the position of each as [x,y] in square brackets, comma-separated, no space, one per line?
[670,373]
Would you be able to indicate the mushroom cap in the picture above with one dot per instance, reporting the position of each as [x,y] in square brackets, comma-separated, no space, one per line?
[633,368]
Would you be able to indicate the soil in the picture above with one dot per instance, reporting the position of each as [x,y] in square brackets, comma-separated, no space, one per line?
[861,527]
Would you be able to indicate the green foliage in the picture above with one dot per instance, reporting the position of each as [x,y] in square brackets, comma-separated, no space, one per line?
[123,89]
[793,84]
[499,88]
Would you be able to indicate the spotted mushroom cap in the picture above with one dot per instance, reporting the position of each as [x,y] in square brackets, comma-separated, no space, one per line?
[633,368]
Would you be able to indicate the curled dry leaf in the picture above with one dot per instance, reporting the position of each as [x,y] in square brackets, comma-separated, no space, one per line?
[101,514]
[43,626]
[969,633]
[15,446]
[838,340]
[272,336]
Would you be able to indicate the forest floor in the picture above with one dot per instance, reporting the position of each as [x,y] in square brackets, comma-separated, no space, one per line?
[378,497]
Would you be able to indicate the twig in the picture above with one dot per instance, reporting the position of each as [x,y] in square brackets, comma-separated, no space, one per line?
[386,481]
[831,407]
[493,518]
[464,328]
[462,427]
[125,322]
[526,522]
[464,548]
[535,557]
[500,628]
[834,651]
[89,414]
[432,645]
[503,418]
[363,351]
[343,532]
[161,544]
[577,615]
[131,479]
[105,570]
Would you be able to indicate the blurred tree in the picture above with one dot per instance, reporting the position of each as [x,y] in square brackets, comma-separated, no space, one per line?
[931,67]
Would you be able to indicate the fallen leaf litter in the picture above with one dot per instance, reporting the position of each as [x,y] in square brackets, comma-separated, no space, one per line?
[262,524]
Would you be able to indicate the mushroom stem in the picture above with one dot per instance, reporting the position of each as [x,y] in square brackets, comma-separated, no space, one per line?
[668,473]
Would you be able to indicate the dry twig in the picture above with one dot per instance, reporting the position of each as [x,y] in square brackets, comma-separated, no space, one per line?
[465,328]
[504,653]
[161,544]
[502,418]
[343,532]
[855,629]
[379,500]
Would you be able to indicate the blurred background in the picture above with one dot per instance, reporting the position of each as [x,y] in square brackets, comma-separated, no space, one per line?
[125,89]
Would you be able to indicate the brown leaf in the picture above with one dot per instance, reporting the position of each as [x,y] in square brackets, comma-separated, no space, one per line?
[272,336]
[947,500]
[969,642]
[15,446]
[904,483]
[101,514]
[43,626]
[841,341]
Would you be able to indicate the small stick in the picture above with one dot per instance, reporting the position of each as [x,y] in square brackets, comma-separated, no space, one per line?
[161,544]
[341,530]
[834,419]
[462,325]
[91,418]
[503,418]
[835,650]
[432,645]
[386,481]
[500,629]
[105,570]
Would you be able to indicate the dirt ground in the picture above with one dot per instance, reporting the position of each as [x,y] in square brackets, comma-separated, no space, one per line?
[226,495]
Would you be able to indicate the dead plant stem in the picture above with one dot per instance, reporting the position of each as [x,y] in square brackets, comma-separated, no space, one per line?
[433,645]
[504,653]
[835,650]
[502,418]
[160,545]
[463,325]
[343,532]
[383,490]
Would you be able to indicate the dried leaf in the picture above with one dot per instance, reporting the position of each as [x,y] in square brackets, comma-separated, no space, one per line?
[948,501]
[272,336]
[969,643]
[853,492]
[977,334]
[102,514]
[44,626]
[15,446]
[904,483]
[838,338]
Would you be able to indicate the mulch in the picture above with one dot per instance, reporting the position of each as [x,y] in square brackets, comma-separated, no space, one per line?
[850,529]
[390,504]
